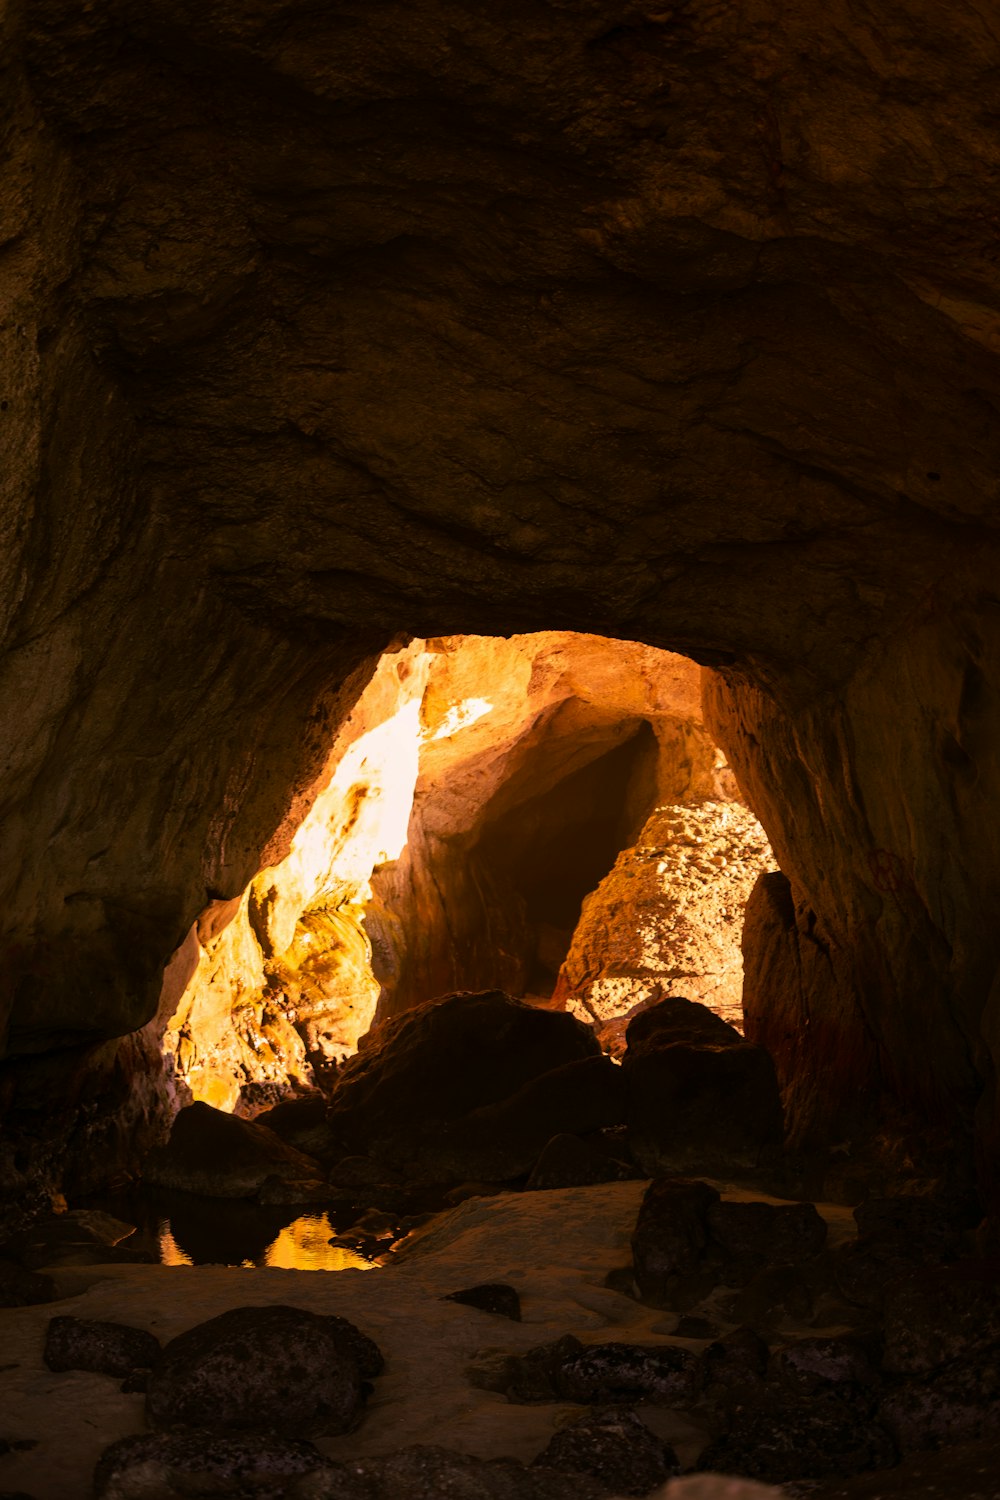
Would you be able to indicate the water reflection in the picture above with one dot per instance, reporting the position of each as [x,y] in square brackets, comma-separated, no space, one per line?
[302,1245]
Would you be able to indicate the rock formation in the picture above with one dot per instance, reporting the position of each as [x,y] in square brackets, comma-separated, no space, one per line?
[324,328]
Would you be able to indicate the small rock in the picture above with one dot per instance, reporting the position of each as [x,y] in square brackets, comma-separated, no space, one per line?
[102,1348]
[614,1446]
[492,1297]
[271,1367]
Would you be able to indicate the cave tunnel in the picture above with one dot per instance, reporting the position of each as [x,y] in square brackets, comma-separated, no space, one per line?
[331,330]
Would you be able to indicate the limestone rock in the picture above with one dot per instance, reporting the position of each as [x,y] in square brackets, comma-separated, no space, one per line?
[219,1156]
[667,917]
[262,1367]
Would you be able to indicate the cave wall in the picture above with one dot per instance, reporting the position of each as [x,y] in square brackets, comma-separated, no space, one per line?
[325,326]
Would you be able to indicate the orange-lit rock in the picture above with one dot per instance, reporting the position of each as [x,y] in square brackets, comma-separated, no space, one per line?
[667,919]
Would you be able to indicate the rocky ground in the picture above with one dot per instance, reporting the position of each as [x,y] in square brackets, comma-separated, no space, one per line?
[581,1280]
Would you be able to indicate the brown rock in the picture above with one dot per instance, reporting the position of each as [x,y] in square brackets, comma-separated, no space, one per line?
[262,1367]
[219,1156]
[701,1106]
[671,1236]
[616,1447]
[104,1348]
[198,1462]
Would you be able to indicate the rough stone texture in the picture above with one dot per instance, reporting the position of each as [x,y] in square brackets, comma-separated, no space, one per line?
[211,1463]
[668,917]
[933,1317]
[259,1367]
[104,1348]
[800,1440]
[322,326]
[959,1403]
[220,1156]
[614,1446]
[424,1473]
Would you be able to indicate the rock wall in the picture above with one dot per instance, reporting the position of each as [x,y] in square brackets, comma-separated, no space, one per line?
[323,326]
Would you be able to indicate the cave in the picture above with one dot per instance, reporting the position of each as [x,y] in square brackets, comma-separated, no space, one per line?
[333,336]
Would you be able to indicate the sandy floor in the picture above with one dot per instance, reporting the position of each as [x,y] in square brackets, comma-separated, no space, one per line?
[555,1247]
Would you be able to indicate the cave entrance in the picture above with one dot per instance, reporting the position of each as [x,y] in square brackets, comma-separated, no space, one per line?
[542,814]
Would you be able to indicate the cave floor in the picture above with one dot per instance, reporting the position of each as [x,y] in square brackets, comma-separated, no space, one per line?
[555,1247]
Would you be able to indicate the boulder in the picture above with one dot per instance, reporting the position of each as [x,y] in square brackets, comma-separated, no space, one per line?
[253,1368]
[80,1237]
[675,1021]
[301,1123]
[504,1140]
[614,1373]
[614,1446]
[785,1440]
[429,1473]
[932,1317]
[103,1348]
[440,1062]
[958,1403]
[568,1161]
[217,1155]
[160,1466]
[811,1366]
[747,1237]
[701,1106]
[671,1235]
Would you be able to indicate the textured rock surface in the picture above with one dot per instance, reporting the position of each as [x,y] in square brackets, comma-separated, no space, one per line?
[322,327]
[668,917]
[105,1348]
[253,1368]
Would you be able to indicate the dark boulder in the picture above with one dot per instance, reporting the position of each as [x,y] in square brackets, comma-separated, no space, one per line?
[428,1473]
[103,1348]
[785,1440]
[810,1366]
[747,1237]
[700,1106]
[958,1403]
[615,1373]
[616,1447]
[935,1316]
[301,1123]
[446,1060]
[160,1466]
[671,1236]
[216,1155]
[255,1368]
[568,1161]
[675,1021]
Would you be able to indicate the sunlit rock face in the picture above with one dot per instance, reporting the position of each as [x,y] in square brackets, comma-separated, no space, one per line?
[323,325]
[478,791]
[667,920]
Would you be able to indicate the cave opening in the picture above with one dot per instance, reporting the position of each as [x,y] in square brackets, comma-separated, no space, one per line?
[543,814]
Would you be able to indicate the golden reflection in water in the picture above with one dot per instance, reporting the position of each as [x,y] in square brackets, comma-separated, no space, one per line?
[302,1245]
